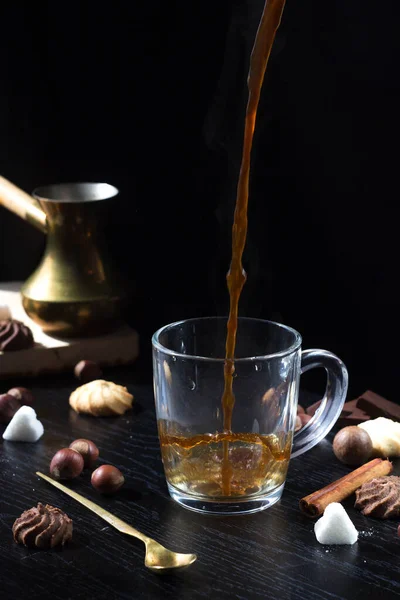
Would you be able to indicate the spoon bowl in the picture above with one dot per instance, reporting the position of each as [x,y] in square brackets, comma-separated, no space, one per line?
[158,558]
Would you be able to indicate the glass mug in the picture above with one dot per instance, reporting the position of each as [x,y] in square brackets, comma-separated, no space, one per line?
[241,471]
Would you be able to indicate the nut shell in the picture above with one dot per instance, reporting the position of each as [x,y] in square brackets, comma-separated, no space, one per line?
[8,407]
[101,398]
[87,370]
[107,479]
[87,449]
[304,419]
[351,446]
[42,527]
[66,464]
[22,394]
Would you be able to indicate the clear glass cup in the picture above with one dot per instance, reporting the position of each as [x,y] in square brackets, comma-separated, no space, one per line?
[243,470]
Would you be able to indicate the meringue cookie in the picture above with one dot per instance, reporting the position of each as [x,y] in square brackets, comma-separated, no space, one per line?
[385,436]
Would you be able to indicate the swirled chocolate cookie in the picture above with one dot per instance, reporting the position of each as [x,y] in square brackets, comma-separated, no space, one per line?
[380,497]
[14,336]
[42,527]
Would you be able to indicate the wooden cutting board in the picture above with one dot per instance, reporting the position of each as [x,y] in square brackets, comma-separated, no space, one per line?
[60,354]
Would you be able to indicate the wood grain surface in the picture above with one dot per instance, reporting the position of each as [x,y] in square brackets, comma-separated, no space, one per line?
[273,554]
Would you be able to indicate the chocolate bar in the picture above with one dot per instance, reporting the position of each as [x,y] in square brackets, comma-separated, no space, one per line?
[377,406]
[367,406]
[347,409]
[311,410]
[355,417]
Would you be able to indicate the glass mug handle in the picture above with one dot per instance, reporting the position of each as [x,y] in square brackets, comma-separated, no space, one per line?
[332,403]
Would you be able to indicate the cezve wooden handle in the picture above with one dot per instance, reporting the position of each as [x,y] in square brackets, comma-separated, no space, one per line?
[21,204]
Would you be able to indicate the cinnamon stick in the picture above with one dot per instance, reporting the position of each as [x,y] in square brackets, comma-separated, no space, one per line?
[314,504]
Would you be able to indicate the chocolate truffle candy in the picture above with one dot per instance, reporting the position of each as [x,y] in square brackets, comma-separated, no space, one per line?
[42,527]
[14,336]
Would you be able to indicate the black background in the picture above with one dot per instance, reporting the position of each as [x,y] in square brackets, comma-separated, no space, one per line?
[150,97]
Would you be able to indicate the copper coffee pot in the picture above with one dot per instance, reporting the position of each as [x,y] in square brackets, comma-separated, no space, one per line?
[74,291]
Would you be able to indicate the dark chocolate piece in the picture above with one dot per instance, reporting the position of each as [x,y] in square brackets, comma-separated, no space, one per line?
[355,418]
[348,407]
[377,406]
[352,412]
[311,410]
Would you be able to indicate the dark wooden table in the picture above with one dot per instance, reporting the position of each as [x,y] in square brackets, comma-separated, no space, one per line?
[273,554]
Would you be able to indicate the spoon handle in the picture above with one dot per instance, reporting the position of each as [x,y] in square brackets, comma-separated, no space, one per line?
[101,512]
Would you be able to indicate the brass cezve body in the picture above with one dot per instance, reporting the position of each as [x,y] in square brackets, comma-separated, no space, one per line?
[74,291]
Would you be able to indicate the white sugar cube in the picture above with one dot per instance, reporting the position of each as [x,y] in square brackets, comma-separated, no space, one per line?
[335,526]
[24,426]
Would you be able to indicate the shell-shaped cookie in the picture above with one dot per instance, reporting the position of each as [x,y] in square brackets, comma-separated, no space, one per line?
[101,398]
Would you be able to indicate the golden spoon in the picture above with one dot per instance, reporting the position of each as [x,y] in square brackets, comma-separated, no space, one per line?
[157,557]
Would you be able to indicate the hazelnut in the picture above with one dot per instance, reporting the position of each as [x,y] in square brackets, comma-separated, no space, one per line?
[87,370]
[352,445]
[66,464]
[107,479]
[8,407]
[304,418]
[87,449]
[22,394]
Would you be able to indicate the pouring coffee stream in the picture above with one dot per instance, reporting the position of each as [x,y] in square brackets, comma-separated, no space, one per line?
[236,277]
[237,466]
